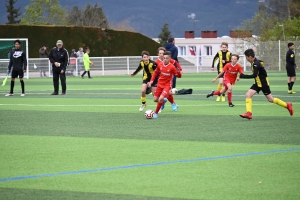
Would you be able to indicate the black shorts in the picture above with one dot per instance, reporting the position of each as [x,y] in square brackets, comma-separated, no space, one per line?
[15,74]
[218,67]
[154,84]
[266,89]
[290,71]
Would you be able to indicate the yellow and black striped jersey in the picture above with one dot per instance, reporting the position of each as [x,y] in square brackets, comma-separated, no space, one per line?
[148,69]
[222,56]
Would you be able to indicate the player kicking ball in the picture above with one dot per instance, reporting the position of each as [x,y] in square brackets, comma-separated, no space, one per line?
[166,71]
[230,72]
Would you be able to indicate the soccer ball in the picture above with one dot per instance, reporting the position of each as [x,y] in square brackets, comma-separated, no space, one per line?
[149,114]
[174,91]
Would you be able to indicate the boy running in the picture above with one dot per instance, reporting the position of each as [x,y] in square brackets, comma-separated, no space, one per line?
[230,72]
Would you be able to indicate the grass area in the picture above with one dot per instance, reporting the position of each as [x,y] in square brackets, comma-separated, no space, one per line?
[93,143]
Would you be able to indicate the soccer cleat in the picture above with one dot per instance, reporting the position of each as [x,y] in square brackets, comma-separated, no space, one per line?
[163,105]
[210,94]
[54,93]
[174,107]
[218,98]
[143,106]
[63,93]
[231,105]
[81,76]
[291,92]
[8,95]
[23,95]
[155,116]
[223,98]
[289,106]
[247,115]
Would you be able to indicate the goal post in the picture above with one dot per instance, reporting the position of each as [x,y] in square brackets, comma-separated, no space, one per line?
[6,46]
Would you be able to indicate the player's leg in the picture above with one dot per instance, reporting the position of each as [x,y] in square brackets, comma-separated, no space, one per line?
[89,75]
[219,92]
[291,73]
[287,105]
[143,96]
[157,98]
[229,94]
[21,75]
[220,86]
[14,74]
[252,91]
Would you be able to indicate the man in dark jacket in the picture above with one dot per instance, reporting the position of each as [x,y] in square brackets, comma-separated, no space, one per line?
[18,61]
[59,58]
[170,46]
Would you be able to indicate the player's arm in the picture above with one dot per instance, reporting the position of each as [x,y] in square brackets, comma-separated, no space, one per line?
[137,70]
[177,65]
[10,61]
[218,76]
[25,61]
[255,72]
[241,71]
[214,61]
[177,72]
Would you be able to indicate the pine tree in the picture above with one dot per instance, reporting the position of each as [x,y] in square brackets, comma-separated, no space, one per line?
[13,13]
[164,35]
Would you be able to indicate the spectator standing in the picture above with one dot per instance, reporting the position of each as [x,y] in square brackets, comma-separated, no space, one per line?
[43,54]
[291,67]
[80,55]
[170,46]
[59,58]
[87,63]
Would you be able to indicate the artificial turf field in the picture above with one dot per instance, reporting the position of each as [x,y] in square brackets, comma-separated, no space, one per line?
[93,143]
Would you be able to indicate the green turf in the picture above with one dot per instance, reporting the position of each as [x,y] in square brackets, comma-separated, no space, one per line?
[97,125]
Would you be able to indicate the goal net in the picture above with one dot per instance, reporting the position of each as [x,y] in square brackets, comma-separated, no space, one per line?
[6,46]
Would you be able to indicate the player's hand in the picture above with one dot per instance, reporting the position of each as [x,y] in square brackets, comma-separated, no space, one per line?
[241,75]
[223,61]
[149,83]
[214,80]
[92,64]
[62,71]
[238,79]
[212,69]
[24,70]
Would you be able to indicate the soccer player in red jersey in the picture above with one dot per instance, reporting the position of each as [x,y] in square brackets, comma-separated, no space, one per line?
[159,60]
[166,71]
[230,72]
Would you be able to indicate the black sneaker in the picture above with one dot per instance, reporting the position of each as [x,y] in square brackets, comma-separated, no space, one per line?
[63,93]
[82,77]
[210,94]
[231,105]
[54,93]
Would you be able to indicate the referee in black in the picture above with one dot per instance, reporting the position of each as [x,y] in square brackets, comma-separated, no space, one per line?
[291,67]
[59,57]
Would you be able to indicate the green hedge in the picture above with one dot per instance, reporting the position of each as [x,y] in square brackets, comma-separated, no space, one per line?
[102,42]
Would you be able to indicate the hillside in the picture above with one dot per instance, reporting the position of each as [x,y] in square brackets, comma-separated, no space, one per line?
[148,17]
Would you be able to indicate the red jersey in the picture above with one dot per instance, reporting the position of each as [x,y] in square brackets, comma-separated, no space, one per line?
[172,61]
[166,73]
[231,72]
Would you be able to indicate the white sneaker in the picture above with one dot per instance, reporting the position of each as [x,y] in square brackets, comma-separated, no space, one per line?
[8,95]
[143,106]
[23,95]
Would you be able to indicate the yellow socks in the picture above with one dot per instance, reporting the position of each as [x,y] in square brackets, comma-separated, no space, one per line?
[279,102]
[249,105]
[143,100]
[220,86]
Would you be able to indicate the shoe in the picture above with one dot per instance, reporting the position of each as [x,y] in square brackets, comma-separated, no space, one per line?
[231,105]
[247,115]
[143,106]
[81,76]
[289,106]
[23,95]
[155,116]
[163,105]
[218,98]
[90,77]
[174,107]
[223,98]
[210,94]
[54,93]
[63,93]
[291,92]
[8,95]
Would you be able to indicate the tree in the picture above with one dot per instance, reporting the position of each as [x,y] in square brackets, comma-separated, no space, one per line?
[92,16]
[44,12]
[13,13]
[164,35]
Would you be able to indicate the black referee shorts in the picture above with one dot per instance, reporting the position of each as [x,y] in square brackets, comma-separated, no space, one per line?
[290,71]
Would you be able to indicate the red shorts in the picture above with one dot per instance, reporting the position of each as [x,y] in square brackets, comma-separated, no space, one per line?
[226,82]
[162,91]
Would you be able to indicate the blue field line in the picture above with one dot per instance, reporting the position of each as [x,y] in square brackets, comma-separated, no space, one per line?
[148,165]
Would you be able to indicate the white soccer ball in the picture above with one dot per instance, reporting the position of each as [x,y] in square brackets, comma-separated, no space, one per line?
[149,114]
[174,91]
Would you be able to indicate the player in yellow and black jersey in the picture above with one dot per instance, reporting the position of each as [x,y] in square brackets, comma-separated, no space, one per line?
[291,67]
[261,83]
[224,57]
[148,66]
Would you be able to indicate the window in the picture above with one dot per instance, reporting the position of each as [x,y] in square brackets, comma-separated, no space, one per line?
[208,50]
[181,51]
